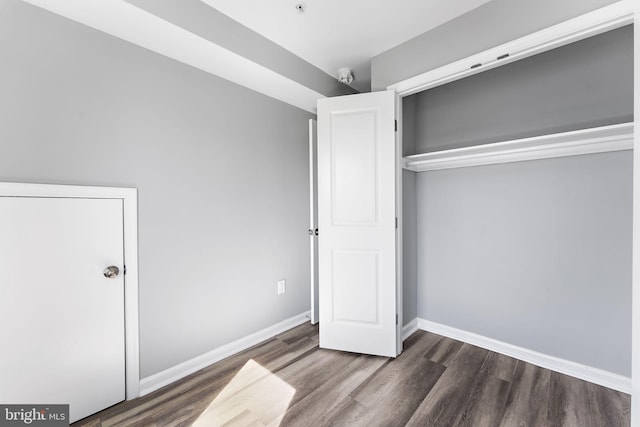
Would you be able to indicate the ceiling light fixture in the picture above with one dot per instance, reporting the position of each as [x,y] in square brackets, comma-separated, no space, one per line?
[345,75]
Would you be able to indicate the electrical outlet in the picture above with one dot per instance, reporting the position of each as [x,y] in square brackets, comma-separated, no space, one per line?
[282,287]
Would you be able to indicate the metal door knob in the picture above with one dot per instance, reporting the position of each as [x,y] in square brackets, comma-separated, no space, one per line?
[111,272]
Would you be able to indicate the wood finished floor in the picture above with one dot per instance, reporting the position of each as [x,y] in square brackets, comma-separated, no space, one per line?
[436,381]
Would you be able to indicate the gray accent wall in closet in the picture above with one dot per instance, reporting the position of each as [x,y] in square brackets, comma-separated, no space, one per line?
[535,254]
[581,85]
[409,219]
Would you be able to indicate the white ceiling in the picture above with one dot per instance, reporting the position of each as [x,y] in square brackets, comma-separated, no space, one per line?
[329,35]
[332,34]
[123,20]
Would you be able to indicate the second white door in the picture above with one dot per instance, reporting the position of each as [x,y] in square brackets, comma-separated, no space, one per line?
[357,223]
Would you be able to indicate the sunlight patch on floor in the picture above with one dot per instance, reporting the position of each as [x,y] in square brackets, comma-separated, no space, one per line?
[254,396]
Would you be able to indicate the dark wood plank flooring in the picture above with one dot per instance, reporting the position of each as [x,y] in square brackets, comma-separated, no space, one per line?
[436,381]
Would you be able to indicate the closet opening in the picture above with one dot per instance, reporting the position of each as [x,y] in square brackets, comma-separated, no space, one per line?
[517,206]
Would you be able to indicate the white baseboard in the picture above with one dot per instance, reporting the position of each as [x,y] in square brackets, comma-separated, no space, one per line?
[587,373]
[409,329]
[161,379]
[583,372]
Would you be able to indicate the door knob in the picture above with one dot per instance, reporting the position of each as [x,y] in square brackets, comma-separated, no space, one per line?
[111,272]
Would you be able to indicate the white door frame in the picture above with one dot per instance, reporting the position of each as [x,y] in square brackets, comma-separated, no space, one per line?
[610,17]
[313,218]
[129,197]
[400,330]
[635,308]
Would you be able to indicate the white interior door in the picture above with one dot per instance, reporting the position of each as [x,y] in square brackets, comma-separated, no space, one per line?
[313,218]
[357,223]
[61,319]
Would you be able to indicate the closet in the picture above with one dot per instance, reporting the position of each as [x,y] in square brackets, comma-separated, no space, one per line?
[517,203]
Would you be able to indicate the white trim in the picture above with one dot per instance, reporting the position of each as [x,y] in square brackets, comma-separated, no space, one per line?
[635,310]
[599,21]
[168,376]
[129,197]
[399,226]
[577,370]
[313,214]
[128,22]
[409,329]
[132,344]
[584,141]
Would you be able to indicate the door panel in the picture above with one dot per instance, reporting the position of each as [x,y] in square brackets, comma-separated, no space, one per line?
[356,218]
[63,317]
[355,279]
[354,152]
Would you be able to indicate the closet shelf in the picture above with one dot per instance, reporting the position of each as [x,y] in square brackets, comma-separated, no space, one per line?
[584,141]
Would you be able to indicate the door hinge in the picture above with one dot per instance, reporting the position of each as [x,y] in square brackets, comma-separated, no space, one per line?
[396,318]
[396,125]
[124,269]
[396,223]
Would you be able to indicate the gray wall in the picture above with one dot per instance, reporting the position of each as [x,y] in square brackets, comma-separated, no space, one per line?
[409,248]
[222,174]
[492,24]
[536,254]
[581,85]
[207,22]
[409,219]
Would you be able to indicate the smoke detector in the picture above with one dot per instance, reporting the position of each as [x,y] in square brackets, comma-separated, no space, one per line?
[301,7]
[345,75]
